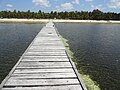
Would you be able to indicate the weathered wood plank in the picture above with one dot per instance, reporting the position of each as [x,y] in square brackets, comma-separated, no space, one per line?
[45,75]
[50,50]
[27,82]
[43,34]
[48,44]
[51,67]
[44,64]
[66,87]
[44,47]
[45,60]
[44,57]
[45,53]
[67,70]
[48,35]
[48,38]
[48,41]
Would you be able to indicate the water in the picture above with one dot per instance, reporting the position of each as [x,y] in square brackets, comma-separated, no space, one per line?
[14,39]
[96,49]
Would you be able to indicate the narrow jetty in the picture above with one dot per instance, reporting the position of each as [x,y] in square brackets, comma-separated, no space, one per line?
[45,65]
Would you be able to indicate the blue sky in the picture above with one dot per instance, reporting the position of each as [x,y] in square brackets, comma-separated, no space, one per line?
[61,5]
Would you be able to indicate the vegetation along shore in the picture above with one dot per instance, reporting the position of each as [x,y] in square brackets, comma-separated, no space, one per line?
[74,15]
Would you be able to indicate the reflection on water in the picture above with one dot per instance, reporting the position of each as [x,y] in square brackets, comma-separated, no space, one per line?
[14,39]
[97,49]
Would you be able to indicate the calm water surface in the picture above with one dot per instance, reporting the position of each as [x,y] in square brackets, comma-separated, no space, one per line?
[14,39]
[96,49]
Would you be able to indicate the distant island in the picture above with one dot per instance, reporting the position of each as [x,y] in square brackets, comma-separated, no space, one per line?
[73,15]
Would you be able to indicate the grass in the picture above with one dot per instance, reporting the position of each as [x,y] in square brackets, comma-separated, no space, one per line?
[67,46]
[90,84]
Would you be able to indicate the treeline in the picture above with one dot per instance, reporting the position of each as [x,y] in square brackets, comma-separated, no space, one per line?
[83,15]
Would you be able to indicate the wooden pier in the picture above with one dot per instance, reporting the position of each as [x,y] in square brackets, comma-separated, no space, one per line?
[45,65]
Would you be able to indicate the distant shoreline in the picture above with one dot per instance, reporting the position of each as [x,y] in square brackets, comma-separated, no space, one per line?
[56,20]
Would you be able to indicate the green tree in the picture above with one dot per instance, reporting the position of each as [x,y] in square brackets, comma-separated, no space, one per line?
[97,15]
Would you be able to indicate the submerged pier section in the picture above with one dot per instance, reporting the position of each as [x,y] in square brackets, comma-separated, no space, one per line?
[45,65]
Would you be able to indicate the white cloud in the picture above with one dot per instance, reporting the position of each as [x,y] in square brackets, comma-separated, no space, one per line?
[43,3]
[9,5]
[114,4]
[66,6]
[76,2]
[8,9]
[88,0]
[100,7]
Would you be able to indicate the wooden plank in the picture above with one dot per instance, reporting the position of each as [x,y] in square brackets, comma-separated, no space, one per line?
[41,65]
[50,50]
[40,82]
[48,38]
[44,47]
[52,44]
[52,39]
[23,64]
[48,35]
[44,57]
[45,53]
[67,70]
[46,41]
[48,44]
[45,67]
[45,75]
[48,31]
[45,60]
[62,87]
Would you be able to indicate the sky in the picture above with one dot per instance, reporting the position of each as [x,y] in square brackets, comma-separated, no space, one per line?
[60,5]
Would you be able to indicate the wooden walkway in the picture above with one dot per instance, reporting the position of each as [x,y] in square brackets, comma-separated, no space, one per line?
[45,65]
